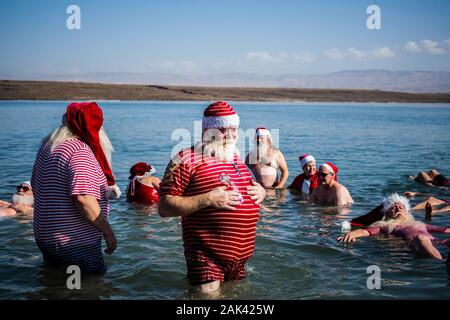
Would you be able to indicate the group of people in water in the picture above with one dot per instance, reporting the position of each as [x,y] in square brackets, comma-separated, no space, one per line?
[217,195]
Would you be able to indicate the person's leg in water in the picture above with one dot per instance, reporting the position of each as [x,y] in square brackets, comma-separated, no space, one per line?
[431,200]
[425,178]
[423,245]
[209,287]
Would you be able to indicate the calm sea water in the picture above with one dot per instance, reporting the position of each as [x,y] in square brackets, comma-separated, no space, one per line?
[376,146]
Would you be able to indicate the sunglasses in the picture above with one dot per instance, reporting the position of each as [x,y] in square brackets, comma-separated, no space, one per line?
[323,175]
[25,188]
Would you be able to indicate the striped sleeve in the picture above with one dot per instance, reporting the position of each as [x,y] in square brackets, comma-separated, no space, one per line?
[83,174]
[176,177]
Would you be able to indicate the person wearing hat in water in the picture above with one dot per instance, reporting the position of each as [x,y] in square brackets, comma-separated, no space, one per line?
[398,221]
[143,187]
[265,160]
[72,181]
[22,202]
[308,180]
[212,189]
[329,190]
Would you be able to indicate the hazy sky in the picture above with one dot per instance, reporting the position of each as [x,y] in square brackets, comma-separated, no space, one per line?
[206,36]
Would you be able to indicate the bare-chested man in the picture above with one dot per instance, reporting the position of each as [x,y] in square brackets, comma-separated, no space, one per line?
[329,190]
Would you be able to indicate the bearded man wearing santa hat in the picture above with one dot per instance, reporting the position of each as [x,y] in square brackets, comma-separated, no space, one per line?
[22,202]
[72,181]
[329,190]
[210,187]
[265,160]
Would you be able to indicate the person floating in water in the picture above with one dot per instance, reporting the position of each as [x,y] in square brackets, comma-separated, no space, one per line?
[432,178]
[329,190]
[308,180]
[265,160]
[143,187]
[431,204]
[22,202]
[399,221]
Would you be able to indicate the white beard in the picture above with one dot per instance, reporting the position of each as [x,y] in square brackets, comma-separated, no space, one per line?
[23,199]
[391,223]
[264,151]
[218,149]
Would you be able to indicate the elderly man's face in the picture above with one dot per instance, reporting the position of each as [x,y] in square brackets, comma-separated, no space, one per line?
[227,135]
[24,190]
[309,169]
[325,176]
[397,210]
[263,139]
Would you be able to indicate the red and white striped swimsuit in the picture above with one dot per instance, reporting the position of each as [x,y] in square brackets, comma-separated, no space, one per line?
[213,236]
[62,233]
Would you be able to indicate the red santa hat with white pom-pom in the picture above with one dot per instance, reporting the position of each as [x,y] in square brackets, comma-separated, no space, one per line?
[85,120]
[220,115]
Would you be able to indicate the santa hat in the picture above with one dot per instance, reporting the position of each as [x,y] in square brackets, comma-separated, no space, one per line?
[396,198]
[304,159]
[331,167]
[140,169]
[220,115]
[262,132]
[85,120]
[27,183]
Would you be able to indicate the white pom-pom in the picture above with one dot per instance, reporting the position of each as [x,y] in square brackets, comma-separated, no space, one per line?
[113,192]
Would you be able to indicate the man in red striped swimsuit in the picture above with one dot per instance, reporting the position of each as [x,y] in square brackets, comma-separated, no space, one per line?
[210,187]
[72,182]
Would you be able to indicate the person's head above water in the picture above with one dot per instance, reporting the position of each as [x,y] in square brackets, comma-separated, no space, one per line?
[327,173]
[396,207]
[220,131]
[140,169]
[263,136]
[24,194]
[308,164]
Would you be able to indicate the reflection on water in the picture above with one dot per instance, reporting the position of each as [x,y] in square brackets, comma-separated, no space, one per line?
[297,257]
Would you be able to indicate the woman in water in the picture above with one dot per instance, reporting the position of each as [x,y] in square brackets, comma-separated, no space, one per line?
[143,187]
[399,222]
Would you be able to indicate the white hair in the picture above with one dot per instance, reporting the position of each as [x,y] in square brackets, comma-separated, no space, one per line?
[63,133]
[394,198]
[59,135]
[389,222]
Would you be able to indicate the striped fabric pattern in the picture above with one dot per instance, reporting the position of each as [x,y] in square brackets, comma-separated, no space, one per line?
[62,233]
[226,236]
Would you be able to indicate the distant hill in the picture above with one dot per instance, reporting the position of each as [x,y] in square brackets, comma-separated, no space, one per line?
[57,90]
[403,81]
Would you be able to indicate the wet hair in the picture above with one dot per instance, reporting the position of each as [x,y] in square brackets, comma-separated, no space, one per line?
[393,198]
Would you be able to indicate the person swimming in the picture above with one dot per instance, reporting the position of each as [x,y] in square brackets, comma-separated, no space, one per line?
[399,222]
[22,202]
[143,187]
[432,178]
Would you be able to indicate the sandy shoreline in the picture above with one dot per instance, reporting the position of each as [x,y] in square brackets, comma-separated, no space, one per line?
[55,90]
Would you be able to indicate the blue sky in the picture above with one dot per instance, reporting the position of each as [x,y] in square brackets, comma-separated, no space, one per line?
[205,36]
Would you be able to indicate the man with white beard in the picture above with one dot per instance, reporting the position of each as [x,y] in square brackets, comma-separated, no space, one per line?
[210,187]
[72,181]
[22,202]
